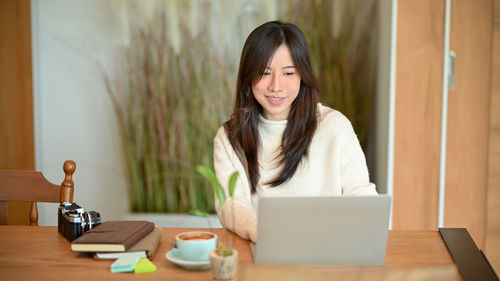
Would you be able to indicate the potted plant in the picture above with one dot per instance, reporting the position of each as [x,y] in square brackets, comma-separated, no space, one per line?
[224,259]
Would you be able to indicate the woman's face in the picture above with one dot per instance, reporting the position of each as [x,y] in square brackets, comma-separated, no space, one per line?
[279,85]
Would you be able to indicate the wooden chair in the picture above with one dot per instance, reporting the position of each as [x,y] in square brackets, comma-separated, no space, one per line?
[19,185]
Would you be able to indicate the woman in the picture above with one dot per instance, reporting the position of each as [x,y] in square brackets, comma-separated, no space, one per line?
[279,138]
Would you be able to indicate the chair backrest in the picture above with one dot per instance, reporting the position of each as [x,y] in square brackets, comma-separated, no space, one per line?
[24,185]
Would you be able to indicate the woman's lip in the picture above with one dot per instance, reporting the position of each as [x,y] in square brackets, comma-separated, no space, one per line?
[275,100]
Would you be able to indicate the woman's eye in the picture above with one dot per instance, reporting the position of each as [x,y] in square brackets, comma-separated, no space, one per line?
[289,73]
[266,73]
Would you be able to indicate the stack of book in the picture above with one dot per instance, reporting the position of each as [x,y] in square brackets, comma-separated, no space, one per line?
[116,239]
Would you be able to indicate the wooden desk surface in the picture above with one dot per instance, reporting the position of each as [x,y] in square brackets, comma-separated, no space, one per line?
[40,253]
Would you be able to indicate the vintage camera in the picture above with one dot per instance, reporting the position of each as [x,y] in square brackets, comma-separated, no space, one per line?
[73,221]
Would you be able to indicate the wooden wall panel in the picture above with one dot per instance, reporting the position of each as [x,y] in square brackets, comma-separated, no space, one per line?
[492,243]
[16,101]
[419,56]
[468,117]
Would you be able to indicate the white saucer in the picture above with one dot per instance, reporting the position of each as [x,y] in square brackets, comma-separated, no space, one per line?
[192,265]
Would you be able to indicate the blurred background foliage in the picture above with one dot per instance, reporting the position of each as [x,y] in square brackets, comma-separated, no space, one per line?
[342,37]
[172,86]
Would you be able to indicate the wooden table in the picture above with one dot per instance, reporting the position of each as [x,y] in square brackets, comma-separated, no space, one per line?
[40,253]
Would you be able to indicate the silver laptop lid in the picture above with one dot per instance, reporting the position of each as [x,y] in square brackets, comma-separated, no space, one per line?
[343,231]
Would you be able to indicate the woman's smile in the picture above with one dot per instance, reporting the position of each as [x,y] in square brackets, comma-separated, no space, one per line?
[275,100]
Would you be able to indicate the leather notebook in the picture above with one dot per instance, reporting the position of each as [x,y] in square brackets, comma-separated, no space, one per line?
[112,236]
[146,247]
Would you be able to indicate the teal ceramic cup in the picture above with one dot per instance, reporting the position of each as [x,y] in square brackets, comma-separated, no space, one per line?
[195,245]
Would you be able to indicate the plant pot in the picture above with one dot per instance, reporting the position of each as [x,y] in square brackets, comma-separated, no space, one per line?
[223,267]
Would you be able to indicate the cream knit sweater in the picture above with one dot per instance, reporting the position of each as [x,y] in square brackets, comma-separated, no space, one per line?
[336,166]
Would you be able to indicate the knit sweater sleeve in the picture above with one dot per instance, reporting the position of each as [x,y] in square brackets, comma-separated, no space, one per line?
[237,214]
[354,171]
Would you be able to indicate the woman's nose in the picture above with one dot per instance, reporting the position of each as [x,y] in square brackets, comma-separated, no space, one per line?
[275,85]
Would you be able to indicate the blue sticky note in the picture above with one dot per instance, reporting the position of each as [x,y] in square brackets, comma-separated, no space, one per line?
[124,264]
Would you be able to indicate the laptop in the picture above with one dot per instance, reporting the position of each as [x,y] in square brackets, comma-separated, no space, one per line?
[337,231]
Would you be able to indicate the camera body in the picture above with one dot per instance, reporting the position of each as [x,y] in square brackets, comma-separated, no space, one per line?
[73,220]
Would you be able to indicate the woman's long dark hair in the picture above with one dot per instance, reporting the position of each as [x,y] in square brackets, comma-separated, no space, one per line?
[242,127]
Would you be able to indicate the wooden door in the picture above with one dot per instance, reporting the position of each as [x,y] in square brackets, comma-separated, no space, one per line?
[468,117]
[419,66]
[16,100]
[419,58]
[492,237]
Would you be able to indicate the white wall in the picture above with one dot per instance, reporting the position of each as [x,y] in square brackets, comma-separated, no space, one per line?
[384,102]
[73,116]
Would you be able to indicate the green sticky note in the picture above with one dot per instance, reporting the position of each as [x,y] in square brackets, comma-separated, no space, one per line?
[144,265]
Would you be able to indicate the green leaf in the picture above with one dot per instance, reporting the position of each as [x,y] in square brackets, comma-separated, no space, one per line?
[232,183]
[199,213]
[224,251]
[209,175]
